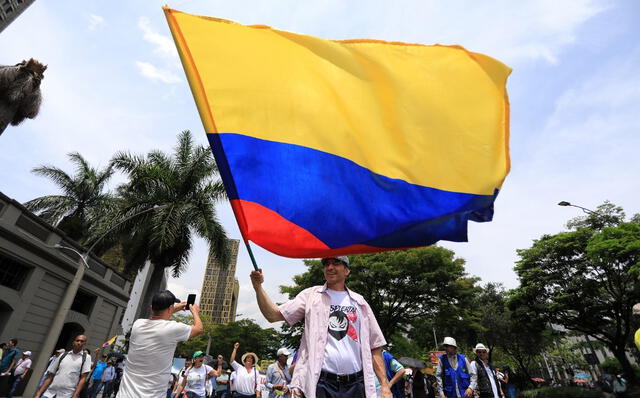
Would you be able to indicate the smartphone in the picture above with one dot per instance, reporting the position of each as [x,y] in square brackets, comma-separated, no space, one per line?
[191,299]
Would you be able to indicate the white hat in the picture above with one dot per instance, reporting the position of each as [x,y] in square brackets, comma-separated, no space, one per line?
[27,353]
[480,346]
[255,357]
[450,341]
[636,309]
[283,351]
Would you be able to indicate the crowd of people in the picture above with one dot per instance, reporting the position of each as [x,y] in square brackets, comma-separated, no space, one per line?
[341,355]
[72,373]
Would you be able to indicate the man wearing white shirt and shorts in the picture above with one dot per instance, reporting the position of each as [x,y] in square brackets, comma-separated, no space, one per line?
[152,345]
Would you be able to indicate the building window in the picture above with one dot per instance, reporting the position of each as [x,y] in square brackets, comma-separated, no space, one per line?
[83,303]
[12,273]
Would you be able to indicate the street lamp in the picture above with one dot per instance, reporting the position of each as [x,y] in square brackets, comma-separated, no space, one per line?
[586,336]
[584,209]
[65,305]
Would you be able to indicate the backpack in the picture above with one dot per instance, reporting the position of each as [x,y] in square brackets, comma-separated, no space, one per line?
[83,393]
[84,358]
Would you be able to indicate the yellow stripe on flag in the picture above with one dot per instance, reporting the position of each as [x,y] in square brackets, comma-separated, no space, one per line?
[435,116]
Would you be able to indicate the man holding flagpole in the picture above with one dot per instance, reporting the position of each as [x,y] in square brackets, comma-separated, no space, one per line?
[341,345]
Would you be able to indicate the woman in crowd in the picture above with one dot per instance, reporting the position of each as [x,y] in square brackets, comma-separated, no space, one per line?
[504,376]
[245,384]
[187,364]
[195,377]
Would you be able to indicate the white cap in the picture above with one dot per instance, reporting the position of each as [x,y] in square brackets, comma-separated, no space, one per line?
[480,346]
[450,341]
[636,309]
[27,353]
[283,351]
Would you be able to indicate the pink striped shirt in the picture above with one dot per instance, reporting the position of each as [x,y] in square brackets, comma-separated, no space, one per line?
[312,305]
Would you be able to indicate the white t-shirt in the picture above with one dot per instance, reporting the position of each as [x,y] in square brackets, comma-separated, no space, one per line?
[67,375]
[148,363]
[196,378]
[342,353]
[22,366]
[232,380]
[244,382]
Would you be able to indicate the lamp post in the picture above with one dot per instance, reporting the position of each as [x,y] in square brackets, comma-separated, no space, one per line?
[586,337]
[584,209]
[61,314]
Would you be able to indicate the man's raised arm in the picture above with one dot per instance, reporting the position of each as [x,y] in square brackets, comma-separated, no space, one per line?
[270,311]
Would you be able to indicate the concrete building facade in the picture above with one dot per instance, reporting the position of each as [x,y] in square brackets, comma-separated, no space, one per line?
[220,288]
[10,9]
[34,275]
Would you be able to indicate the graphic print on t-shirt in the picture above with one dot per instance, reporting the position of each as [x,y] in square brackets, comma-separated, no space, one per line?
[341,320]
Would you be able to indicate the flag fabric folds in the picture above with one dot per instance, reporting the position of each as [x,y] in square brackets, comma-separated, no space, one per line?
[331,147]
[109,342]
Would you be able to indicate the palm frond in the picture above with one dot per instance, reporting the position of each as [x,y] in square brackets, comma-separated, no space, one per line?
[58,176]
[184,150]
[82,166]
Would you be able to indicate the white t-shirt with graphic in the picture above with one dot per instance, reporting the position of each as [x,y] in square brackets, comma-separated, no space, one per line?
[342,352]
[196,378]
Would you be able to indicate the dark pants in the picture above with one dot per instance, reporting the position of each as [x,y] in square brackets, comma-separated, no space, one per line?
[13,385]
[221,394]
[333,386]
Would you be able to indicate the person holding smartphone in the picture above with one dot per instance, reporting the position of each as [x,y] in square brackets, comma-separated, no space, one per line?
[152,344]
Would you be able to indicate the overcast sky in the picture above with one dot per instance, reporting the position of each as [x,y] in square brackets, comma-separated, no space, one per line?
[115,83]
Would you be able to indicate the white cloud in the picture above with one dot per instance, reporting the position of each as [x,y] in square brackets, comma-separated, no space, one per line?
[152,72]
[163,45]
[95,21]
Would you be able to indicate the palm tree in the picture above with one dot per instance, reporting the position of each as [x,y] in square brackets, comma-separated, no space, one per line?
[83,199]
[185,184]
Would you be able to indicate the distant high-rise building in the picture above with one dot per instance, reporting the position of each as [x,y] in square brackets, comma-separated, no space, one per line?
[219,294]
[10,9]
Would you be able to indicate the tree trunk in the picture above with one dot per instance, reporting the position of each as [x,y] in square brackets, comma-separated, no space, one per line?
[629,373]
[525,370]
[154,286]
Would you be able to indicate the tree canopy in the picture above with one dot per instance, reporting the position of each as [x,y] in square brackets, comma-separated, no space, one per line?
[585,279]
[252,338]
[83,199]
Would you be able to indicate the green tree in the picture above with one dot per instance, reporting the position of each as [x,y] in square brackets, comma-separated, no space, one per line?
[585,280]
[185,184]
[402,287]
[82,202]
[252,338]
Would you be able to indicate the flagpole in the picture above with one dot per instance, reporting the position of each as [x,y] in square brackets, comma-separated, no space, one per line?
[253,259]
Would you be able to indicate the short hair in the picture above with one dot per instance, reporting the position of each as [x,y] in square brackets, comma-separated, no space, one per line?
[14,341]
[2,345]
[163,300]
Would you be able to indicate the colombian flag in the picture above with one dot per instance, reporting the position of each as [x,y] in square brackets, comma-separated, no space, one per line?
[331,147]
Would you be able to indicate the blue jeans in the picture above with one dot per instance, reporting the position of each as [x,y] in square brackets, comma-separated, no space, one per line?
[98,386]
[13,385]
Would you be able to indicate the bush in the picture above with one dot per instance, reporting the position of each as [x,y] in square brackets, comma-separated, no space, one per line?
[611,366]
[561,392]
